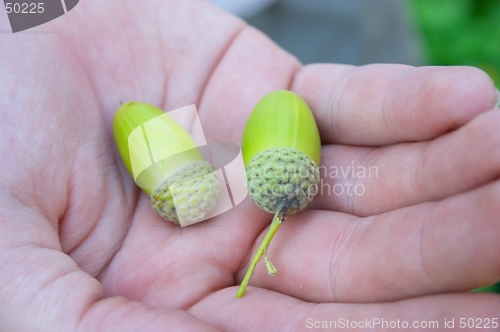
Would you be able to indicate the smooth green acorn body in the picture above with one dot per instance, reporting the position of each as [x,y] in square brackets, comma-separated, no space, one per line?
[281,151]
[281,119]
[165,162]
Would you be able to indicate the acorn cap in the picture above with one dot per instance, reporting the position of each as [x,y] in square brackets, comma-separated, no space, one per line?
[188,195]
[282,177]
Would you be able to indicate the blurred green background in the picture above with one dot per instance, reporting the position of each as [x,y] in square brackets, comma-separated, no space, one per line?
[460,32]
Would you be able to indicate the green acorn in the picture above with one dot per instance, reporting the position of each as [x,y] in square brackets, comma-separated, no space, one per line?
[165,162]
[281,150]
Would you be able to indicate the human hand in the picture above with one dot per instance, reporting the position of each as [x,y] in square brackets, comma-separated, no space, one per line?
[82,248]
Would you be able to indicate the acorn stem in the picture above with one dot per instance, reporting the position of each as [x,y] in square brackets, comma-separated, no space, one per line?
[275,224]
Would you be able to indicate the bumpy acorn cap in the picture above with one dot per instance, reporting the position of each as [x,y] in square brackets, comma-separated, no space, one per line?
[281,150]
[189,194]
[282,177]
[142,132]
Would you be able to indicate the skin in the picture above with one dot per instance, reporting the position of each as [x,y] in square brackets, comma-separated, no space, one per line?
[81,248]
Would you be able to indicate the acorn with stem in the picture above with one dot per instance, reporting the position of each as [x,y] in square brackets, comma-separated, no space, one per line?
[164,161]
[281,150]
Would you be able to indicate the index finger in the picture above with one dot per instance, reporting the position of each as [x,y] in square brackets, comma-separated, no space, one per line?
[385,104]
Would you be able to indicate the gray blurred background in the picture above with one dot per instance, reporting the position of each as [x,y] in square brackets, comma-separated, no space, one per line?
[340,31]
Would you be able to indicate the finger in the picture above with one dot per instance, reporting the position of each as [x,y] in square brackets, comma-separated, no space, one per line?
[497,105]
[250,68]
[167,65]
[38,293]
[262,310]
[429,248]
[366,181]
[119,314]
[386,104]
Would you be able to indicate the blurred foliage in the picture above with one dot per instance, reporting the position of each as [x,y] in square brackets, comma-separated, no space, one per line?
[461,32]
[489,289]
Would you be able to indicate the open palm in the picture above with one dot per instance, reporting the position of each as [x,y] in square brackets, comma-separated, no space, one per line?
[81,247]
